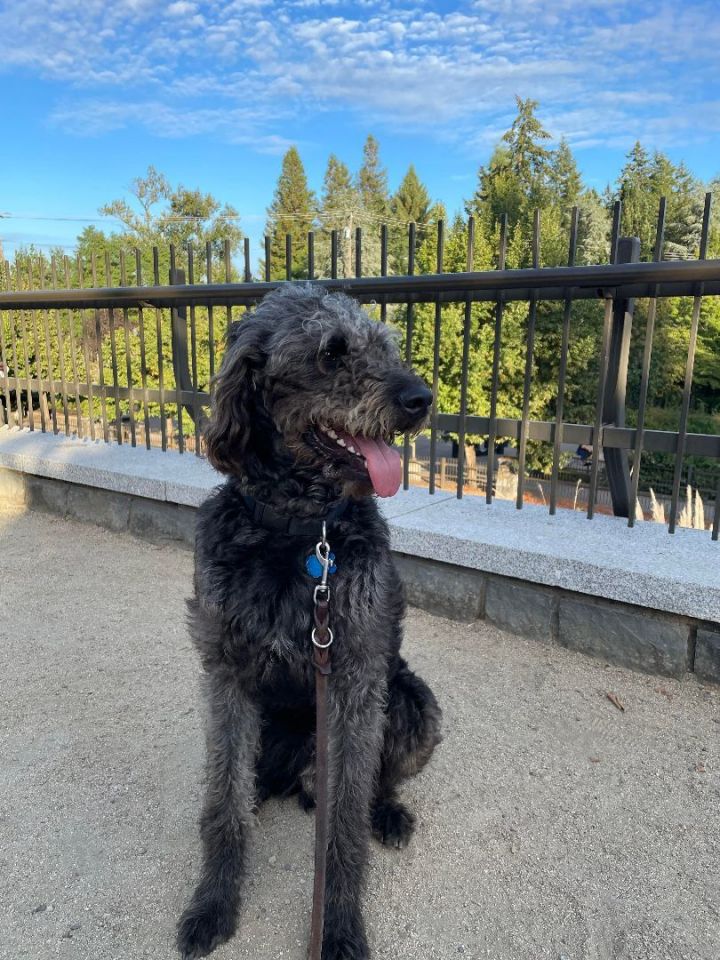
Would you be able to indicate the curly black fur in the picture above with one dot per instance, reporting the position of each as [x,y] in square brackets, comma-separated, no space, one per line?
[251,615]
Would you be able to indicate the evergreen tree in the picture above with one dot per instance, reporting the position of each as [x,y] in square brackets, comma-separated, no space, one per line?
[593,229]
[341,210]
[292,211]
[481,340]
[426,260]
[683,225]
[639,206]
[714,188]
[528,158]
[499,192]
[517,180]
[372,181]
[339,194]
[643,181]
[373,192]
[565,179]
[706,380]
[410,204]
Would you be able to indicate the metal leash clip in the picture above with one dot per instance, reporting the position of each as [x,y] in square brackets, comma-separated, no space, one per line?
[321,595]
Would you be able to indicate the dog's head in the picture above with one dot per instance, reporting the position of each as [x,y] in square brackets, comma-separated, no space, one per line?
[310,381]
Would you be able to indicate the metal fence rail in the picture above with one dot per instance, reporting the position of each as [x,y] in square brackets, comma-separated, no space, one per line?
[132,362]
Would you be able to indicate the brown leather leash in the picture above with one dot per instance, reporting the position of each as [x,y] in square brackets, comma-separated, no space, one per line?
[318,565]
[322,638]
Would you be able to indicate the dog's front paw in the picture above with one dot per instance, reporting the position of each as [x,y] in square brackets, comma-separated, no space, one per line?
[392,823]
[344,943]
[203,926]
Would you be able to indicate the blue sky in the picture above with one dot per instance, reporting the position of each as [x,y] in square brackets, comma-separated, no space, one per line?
[213,93]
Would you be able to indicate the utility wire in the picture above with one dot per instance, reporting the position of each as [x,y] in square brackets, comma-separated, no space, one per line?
[182,218]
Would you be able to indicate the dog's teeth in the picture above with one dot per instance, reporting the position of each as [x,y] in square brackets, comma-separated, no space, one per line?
[331,433]
[340,441]
[352,449]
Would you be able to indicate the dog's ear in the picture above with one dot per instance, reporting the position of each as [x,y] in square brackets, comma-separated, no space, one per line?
[234,403]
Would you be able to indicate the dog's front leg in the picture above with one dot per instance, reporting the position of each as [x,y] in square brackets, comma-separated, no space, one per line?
[356,719]
[233,736]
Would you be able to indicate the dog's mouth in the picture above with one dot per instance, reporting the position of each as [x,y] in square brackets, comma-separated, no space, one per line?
[361,457]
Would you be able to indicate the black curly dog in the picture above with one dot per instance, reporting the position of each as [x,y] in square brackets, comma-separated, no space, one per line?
[309,397]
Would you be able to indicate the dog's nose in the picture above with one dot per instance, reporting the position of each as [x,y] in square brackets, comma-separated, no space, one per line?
[415,399]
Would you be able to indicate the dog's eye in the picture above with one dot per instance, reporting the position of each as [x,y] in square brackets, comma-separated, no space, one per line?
[334,350]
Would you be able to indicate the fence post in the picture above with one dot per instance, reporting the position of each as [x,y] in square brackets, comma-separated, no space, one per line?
[180,356]
[613,413]
[45,411]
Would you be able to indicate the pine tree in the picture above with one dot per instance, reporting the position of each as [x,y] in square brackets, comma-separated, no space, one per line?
[341,210]
[372,181]
[593,229]
[339,194]
[639,206]
[517,180]
[528,158]
[499,192]
[410,204]
[643,181]
[292,212]
[564,175]
[372,190]
[684,214]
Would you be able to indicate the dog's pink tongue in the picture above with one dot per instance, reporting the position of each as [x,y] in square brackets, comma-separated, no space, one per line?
[384,465]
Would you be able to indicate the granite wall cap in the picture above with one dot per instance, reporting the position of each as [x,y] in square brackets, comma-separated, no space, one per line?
[643,565]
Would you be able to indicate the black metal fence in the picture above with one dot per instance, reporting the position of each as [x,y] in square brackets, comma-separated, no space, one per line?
[85,350]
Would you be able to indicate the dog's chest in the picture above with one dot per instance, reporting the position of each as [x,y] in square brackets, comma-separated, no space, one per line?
[271,610]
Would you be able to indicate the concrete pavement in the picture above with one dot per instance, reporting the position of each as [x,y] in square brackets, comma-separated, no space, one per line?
[551,824]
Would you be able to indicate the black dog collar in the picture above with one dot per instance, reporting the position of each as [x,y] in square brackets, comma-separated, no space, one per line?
[266,516]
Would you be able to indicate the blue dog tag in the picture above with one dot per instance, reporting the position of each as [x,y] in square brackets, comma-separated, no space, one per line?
[314,567]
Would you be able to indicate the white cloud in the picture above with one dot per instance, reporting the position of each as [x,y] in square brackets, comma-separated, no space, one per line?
[601,70]
[181,8]
[235,125]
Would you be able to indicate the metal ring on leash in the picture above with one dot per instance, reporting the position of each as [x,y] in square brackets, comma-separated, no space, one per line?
[321,646]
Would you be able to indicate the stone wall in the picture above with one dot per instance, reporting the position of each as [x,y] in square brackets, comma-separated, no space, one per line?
[654,641]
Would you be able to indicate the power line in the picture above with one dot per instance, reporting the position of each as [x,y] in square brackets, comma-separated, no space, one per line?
[102,219]
[23,216]
[33,243]
[186,218]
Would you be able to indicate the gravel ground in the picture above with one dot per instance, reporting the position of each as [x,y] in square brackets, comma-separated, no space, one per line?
[550,824]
